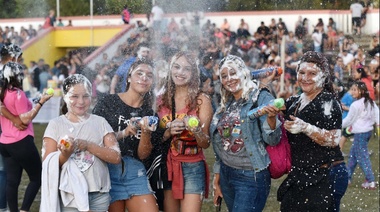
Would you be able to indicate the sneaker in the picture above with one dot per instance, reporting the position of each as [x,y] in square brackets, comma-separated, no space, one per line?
[370,186]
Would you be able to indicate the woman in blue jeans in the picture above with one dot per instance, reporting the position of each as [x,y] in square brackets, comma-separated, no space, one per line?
[241,174]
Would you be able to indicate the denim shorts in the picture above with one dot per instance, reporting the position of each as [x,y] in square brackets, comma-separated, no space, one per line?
[194,177]
[98,201]
[128,179]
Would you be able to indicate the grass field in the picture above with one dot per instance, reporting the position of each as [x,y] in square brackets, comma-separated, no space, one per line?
[355,199]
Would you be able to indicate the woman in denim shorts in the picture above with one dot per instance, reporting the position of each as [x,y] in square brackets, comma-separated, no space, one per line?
[185,113]
[132,116]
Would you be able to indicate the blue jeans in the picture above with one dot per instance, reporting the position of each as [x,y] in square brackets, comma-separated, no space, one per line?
[3,183]
[359,155]
[339,183]
[317,48]
[244,190]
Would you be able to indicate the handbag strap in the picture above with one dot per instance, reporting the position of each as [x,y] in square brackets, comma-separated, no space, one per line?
[173,108]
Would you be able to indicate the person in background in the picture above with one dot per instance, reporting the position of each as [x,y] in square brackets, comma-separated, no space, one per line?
[157,15]
[356,12]
[332,23]
[241,176]
[331,38]
[16,146]
[7,54]
[126,15]
[338,68]
[346,102]
[225,25]
[75,155]
[142,52]
[36,74]
[60,24]
[243,30]
[366,6]
[317,38]
[102,82]
[360,74]
[129,179]
[361,117]
[44,76]
[318,178]
[49,20]
[186,180]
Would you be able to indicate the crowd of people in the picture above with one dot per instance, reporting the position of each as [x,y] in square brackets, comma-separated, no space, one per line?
[171,91]
[10,35]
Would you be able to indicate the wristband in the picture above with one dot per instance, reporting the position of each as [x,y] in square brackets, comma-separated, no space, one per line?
[40,103]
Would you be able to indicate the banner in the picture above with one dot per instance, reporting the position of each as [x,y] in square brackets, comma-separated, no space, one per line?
[48,111]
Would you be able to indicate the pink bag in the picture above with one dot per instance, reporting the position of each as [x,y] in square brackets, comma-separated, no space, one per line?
[280,157]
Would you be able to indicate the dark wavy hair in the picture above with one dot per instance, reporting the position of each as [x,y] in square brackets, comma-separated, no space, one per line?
[321,61]
[364,93]
[149,100]
[362,72]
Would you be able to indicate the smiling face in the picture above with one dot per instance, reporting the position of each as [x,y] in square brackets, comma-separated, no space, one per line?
[181,71]
[141,78]
[310,78]
[355,92]
[143,52]
[231,79]
[78,99]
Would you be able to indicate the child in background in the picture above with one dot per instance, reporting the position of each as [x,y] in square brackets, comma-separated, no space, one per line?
[363,114]
[346,102]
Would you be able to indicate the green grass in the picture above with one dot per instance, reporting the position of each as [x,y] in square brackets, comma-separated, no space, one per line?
[355,199]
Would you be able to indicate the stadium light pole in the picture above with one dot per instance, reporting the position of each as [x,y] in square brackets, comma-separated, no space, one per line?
[57,9]
[91,18]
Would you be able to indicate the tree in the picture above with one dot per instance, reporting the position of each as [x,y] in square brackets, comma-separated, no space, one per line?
[7,10]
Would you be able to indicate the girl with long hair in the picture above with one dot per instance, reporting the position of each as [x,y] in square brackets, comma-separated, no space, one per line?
[17,146]
[363,114]
[129,113]
[187,179]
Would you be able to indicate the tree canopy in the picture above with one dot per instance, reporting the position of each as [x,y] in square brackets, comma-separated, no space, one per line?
[40,8]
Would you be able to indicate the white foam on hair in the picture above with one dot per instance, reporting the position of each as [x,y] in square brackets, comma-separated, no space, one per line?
[69,94]
[9,72]
[319,79]
[242,72]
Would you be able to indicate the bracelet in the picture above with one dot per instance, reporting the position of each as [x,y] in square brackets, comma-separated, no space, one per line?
[197,131]
[40,103]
